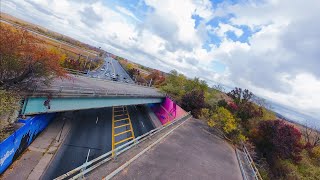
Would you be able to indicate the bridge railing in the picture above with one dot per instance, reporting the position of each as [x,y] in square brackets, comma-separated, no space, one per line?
[93,164]
[84,91]
[85,74]
[75,72]
[247,166]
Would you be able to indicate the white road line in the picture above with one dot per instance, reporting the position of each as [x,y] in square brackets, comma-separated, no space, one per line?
[97,120]
[88,156]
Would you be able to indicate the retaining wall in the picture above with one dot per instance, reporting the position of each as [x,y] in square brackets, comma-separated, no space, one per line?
[16,143]
[167,110]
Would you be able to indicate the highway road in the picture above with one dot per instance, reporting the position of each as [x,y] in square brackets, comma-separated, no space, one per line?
[91,129]
[111,66]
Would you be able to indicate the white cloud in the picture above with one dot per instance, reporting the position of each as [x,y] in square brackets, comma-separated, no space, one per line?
[222,29]
[127,12]
[279,61]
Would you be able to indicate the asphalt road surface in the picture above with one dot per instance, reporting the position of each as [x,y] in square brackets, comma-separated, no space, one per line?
[140,121]
[110,67]
[91,129]
[189,152]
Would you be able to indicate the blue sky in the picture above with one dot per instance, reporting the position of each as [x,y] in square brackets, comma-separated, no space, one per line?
[269,47]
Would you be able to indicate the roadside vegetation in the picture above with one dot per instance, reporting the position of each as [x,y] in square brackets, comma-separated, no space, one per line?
[25,61]
[141,74]
[280,149]
[74,54]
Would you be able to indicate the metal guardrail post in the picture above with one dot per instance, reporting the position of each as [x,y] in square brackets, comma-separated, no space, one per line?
[241,166]
[115,154]
[254,169]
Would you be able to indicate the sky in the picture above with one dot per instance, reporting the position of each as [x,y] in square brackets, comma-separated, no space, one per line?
[269,47]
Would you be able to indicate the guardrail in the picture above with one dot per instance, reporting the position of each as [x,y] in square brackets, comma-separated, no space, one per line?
[88,166]
[76,72]
[74,91]
[85,74]
[249,161]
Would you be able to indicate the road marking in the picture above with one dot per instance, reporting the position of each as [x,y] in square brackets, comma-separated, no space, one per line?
[97,120]
[113,67]
[87,159]
[142,124]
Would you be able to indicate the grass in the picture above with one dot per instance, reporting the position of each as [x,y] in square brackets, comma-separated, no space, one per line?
[307,169]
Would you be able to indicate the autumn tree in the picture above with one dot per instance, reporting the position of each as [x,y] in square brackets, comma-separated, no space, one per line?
[278,140]
[155,77]
[193,101]
[246,109]
[311,134]
[240,96]
[23,60]
[225,121]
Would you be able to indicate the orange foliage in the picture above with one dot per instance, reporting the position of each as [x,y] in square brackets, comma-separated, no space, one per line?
[23,60]
[156,77]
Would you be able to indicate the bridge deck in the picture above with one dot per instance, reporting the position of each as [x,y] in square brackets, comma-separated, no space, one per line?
[83,86]
[77,93]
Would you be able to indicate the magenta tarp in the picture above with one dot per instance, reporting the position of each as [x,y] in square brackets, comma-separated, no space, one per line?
[168,112]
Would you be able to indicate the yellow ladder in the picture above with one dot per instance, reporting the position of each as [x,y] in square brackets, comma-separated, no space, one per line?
[121,125]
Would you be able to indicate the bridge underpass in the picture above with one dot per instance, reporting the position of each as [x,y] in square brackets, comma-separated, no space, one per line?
[90,101]
[91,130]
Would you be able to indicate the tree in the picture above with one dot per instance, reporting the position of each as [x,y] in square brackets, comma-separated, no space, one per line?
[311,134]
[205,114]
[193,101]
[222,103]
[244,108]
[196,84]
[23,61]
[129,66]
[8,103]
[155,77]
[248,110]
[225,121]
[239,96]
[219,87]
[174,85]
[278,140]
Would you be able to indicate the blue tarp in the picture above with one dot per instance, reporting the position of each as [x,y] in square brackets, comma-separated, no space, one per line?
[16,143]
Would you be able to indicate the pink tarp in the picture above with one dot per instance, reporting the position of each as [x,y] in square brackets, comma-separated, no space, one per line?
[168,111]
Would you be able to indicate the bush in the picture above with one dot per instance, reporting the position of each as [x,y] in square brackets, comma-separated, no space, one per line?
[222,103]
[315,153]
[306,169]
[278,140]
[194,102]
[224,120]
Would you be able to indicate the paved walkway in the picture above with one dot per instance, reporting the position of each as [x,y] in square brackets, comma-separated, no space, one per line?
[190,152]
[33,162]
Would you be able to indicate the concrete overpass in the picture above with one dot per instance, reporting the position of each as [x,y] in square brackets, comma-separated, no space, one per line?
[78,93]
